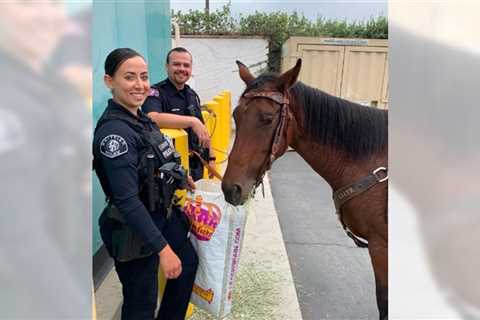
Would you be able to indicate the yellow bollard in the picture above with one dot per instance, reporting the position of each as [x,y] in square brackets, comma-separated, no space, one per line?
[215,141]
[180,141]
[209,120]
[228,122]
[222,127]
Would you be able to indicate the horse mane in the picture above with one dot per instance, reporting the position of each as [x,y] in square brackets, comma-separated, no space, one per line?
[359,130]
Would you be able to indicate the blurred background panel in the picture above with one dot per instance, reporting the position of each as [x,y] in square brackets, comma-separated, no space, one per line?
[434,157]
[45,136]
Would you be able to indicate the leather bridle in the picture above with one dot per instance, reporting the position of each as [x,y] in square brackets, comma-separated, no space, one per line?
[280,99]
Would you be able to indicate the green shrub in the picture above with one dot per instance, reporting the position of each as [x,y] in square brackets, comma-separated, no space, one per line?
[277,27]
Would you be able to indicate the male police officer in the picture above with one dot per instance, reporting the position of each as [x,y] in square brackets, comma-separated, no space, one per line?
[173,104]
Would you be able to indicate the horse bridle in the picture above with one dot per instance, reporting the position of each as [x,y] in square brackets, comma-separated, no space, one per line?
[280,99]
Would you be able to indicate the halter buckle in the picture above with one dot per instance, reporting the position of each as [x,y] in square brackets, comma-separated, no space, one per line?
[380,177]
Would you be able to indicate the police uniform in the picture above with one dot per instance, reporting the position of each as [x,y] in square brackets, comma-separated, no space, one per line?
[139,220]
[165,97]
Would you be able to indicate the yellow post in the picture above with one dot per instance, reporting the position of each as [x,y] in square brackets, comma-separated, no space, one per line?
[209,119]
[215,141]
[180,141]
[222,119]
[228,122]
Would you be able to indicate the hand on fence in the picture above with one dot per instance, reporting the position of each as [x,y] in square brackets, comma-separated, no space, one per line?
[202,133]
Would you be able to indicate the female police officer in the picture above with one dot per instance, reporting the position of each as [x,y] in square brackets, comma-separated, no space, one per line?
[138,171]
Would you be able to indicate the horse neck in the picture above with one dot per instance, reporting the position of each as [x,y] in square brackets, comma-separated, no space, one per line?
[329,162]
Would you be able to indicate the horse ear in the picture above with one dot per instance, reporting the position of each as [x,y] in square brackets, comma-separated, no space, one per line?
[287,79]
[244,73]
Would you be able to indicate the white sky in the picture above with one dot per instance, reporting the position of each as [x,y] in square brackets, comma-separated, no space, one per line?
[333,9]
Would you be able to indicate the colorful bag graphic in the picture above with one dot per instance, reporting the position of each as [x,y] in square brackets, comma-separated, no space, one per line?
[217,234]
[203,216]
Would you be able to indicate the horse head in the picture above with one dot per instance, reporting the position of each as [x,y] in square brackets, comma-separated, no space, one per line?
[262,119]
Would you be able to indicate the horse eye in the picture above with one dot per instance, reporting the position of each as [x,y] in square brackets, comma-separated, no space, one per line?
[266,118]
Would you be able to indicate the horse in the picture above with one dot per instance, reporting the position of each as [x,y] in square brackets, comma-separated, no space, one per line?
[344,142]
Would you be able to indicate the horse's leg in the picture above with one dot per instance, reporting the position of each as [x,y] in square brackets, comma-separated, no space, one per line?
[378,250]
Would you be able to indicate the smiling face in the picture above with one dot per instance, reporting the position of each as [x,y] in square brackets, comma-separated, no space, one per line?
[130,85]
[179,68]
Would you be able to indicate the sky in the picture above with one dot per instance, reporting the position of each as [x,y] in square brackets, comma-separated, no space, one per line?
[350,10]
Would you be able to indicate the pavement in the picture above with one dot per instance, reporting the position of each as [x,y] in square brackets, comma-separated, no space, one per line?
[333,278]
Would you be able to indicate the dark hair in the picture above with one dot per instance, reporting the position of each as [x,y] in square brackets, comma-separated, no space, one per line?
[117,57]
[177,49]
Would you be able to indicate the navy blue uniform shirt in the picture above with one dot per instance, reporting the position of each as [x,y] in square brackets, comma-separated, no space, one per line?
[165,97]
[117,147]
[170,99]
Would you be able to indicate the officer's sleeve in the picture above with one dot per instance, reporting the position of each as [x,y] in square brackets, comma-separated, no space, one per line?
[153,104]
[117,150]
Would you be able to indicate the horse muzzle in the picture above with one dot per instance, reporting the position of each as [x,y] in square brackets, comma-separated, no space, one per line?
[233,194]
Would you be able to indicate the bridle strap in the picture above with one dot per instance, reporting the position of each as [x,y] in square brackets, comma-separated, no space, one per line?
[283,101]
[275,96]
[343,195]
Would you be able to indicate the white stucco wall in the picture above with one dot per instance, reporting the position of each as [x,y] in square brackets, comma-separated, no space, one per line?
[214,67]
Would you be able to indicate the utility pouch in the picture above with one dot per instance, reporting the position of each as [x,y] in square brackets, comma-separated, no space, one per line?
[127,244]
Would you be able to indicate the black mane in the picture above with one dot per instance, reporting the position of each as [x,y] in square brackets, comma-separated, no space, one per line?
[361,131]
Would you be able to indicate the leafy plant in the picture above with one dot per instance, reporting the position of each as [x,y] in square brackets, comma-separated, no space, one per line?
[277,27]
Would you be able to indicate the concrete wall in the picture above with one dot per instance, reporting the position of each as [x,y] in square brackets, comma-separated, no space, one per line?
[214,67]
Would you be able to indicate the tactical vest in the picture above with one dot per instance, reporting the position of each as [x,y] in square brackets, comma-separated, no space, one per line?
[159,169]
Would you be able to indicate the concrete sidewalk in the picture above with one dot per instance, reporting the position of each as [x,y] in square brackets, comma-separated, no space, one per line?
[264,250]
[264,288]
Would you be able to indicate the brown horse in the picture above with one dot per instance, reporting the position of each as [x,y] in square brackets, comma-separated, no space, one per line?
[344,142]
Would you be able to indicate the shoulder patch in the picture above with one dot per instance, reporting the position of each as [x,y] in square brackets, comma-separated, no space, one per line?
[154,92]
[113,146]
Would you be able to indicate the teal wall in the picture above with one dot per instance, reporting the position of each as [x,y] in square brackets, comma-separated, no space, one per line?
[141,25]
